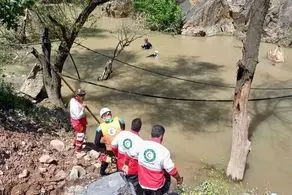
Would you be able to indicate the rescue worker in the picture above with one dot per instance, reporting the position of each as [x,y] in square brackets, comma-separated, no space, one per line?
[78,118]
[107,131]
[125,147]
[147,44]
[155,165]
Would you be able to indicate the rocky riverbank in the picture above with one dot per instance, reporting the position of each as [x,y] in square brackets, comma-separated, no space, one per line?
[40,159]
[229,17]
[223,17]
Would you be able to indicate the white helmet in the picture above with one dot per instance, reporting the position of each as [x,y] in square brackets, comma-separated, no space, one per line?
[103,111]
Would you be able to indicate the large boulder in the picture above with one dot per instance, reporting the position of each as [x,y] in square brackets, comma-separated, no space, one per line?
[278,23]
[214,17]
[33,84]
[114,184]
[186,6]
[118,8]
[208,18]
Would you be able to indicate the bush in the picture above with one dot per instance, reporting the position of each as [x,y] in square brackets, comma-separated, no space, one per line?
[161,15]
[9,100]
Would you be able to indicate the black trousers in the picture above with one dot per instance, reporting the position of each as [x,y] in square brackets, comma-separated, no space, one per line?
[160,191]
[134,180]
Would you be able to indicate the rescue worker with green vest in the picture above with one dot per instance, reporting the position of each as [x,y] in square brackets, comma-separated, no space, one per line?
[106,131]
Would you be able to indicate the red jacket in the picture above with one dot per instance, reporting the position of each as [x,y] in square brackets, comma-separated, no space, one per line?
[125,147]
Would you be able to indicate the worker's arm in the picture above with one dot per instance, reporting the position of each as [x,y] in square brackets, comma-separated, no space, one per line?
[169,166]
[122,124]
[98,136]
[115,145]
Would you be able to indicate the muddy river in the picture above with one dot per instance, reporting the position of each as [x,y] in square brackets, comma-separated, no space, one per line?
[195,130]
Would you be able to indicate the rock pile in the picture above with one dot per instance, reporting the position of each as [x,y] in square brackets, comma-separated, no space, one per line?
[34,164]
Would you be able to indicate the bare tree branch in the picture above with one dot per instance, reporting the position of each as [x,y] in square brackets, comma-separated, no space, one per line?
[84,15]
[61,26]
[126,34]
[75,66]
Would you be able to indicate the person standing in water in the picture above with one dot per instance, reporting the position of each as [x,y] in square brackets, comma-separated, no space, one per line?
[147,44]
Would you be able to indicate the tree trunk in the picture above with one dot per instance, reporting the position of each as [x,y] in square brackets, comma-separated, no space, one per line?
[23,37]
[108,69]
[246,68]
[51,79]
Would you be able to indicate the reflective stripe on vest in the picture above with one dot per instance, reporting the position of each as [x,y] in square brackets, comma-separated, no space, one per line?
[109,131]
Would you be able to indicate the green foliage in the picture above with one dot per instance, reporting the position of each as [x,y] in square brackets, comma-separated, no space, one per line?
[161,15]
[215,183]
[8,99]
[10,10]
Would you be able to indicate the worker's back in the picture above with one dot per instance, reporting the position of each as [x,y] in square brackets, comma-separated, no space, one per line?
[127,143]
[153,159]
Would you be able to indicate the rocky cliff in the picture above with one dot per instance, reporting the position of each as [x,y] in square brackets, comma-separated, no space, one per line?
[229,17]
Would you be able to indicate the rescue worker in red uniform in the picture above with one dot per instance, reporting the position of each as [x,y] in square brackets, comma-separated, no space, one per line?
[155,165]
[78,118]
[106,131]
[125,147]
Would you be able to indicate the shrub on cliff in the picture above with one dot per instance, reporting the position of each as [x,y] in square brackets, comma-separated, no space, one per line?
[161,15]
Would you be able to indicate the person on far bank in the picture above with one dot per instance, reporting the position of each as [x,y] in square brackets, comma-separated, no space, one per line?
[78,118]
[155,165]
[147,44]
[106,131]
[125,147]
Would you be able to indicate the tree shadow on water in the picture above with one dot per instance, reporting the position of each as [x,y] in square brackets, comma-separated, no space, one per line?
[274,111]
[194,115]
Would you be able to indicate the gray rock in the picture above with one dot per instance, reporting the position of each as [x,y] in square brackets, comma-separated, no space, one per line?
[24,174]
[33,84]
[114,184]
[77,172]
[44,158]
[87,157]
[47,159]
[58,145]
[185,6]
[80,155]
[213,17]
[42,169]
[208,18]
[61,175]
[118,8]
[94,154]
[278,23]
[74,190]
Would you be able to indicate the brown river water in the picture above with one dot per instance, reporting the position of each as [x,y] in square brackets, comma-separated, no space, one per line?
[194,130]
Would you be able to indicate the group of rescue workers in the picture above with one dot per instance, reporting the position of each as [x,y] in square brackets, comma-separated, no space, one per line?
[145,163]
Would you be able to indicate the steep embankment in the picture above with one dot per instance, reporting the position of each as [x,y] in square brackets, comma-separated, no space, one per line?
[228,17]
[39,159]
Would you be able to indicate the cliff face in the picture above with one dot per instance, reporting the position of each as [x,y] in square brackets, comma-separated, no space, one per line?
[229,17]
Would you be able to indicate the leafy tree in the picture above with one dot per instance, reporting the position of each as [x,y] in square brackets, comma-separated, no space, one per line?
[161,15]
[10,10]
